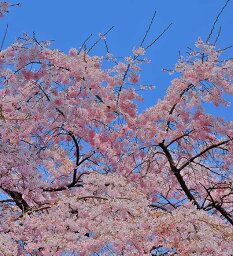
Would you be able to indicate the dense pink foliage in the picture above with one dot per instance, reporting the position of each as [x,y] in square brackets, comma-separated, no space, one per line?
[83,172]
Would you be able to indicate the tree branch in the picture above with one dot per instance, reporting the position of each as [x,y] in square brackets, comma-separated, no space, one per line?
[177,174]
[203,152]
[218,207]
[17,198]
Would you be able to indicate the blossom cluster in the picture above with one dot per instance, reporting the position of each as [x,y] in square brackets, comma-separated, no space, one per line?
[84,173]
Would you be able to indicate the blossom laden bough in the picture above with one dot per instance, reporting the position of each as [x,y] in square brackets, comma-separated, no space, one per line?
[83,172]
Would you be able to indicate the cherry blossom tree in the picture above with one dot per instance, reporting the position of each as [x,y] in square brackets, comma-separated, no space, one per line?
[82,172]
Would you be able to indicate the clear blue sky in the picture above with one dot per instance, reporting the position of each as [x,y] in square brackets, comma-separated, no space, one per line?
[70,22]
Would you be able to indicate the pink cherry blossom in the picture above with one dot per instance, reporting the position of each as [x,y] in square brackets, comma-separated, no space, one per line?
[139,51]
[82,172]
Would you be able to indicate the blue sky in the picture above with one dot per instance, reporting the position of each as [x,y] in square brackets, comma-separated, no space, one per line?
[70,22]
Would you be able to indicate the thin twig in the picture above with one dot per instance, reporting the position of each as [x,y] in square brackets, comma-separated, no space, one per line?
[84,43]
[216,20]
[96,42]
[7,201]
[218,207]
[226,48]
[218,35]
[157,38]
[106,46]
[148,29]
[213,146]
[4,37]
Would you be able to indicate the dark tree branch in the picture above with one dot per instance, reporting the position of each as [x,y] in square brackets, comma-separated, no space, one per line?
[174,106]
[155,206]
[158,37]
[148,29]
[178,176]
[178,138]
[84,43]
[216,20]
[76,147]
[18,199]
[96,42]
[218,207]
[203,152]
[4,37]
[71,185]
